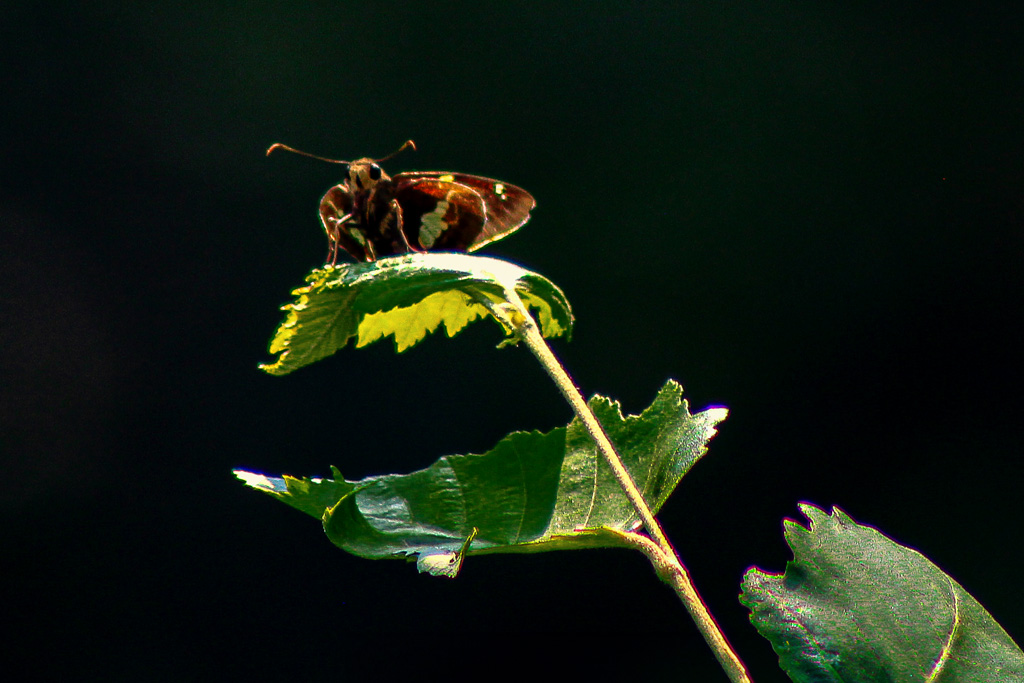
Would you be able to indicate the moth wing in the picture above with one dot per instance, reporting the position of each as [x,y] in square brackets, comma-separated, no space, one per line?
[439,214]
[505,207]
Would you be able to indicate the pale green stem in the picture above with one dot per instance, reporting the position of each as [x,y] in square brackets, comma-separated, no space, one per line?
[514,315]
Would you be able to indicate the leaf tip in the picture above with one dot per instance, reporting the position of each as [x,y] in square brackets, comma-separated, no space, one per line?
[260,481]
[813,513]
[273,368]
[717,413]
[441,562]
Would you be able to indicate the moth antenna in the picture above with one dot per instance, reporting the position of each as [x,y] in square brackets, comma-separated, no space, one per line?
[406,145]
[278,145]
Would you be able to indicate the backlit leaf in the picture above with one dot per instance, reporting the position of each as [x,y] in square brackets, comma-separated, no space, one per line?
[404,297]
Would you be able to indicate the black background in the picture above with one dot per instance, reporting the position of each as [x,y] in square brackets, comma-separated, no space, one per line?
[809,212]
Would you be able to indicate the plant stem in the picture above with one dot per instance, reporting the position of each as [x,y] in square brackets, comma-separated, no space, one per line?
[671,570]
[659,551]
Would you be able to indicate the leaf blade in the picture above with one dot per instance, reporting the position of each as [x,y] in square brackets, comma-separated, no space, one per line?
[532,492]
[855,605]
[404,297]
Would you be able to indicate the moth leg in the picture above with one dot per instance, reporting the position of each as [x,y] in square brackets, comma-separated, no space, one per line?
[396,211]
[371,255]
[333,235]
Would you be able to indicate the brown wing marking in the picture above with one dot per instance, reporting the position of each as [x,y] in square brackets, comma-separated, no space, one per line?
[506,207]
[440,215]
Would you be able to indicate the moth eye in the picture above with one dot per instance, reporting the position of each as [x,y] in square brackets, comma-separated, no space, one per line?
[374,172]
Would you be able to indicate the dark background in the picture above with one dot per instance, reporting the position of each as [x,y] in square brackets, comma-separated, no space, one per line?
[808,212]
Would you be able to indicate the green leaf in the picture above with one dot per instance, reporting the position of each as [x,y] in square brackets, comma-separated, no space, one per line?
[404,297]
[854,605]
[532,492]
[445,563]
[311,496]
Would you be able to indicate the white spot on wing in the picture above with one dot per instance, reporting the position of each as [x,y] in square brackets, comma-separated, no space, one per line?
[432,224]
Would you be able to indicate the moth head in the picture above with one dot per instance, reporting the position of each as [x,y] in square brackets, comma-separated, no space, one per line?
[364,174]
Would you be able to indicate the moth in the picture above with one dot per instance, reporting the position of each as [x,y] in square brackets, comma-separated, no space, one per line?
[371,214]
